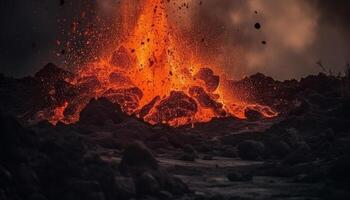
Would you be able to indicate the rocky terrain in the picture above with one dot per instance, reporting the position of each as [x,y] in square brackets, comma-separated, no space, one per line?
[304,153]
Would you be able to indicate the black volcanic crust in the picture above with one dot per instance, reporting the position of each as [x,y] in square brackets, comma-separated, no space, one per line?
[98,111]
[26,96]
[52,73]
[98,158]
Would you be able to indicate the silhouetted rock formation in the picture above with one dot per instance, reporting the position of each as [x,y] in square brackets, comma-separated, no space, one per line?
[98,111]
[308,142]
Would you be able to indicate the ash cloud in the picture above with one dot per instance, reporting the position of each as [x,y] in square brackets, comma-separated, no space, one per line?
[298,33]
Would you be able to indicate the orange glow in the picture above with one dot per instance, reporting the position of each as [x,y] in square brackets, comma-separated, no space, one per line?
[53,116]
[152,75]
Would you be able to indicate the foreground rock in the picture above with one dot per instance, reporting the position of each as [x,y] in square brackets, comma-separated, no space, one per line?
[137,158]
[48,164]
[251,150]
[306,145]
[189,153]
[139,163]
[98,111]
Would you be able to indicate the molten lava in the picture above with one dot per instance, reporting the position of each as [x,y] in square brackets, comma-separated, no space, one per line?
[151,74]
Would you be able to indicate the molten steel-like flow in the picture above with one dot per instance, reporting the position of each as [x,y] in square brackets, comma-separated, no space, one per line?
[151,74]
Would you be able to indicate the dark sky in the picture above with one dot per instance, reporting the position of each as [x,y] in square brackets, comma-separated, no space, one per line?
[298,33]
[30,30]
[28,34]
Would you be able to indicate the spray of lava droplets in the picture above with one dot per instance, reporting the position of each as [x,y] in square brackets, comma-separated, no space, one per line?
[152,75]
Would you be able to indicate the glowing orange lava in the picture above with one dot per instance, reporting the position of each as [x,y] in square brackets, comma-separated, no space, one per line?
[152,75]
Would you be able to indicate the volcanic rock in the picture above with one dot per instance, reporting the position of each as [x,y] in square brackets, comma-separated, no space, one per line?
[207,76]
[83,92]
[51,73]
[120,80]
[158,142]
[257,25]
[253,115]
[236,139]
[137,158]
[292,136]
[13,137]
[260,80]
[301,154]
[126,186]
[149,178]
[251,150]
[343,110]
[320,83]
[64,91]
[189,153]
[188,157]
[277,147]
[308,142]
[147,108]
[207,157]
[98,111]
[147,184]
[55,91]
[127,98]
[189,149]
[207,101]
[23,97]
[121,59]
[88,84]
[238,176]
[339,171]
[229,152]
[177,106]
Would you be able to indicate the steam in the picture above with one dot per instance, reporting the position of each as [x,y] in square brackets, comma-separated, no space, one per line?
[296,35]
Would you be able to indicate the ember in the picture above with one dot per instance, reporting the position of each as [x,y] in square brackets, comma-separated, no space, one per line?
[150,76]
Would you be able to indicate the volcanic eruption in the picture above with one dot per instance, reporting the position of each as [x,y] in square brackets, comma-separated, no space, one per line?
[153,75]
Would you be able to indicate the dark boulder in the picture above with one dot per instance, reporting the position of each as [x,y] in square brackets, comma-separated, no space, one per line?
[177,105]
[125,186]
[209,78]
[137,158]
[189,149]
[299,155]
[339,171]
[320,83]
[170,183]
[139,163]
[229,152]
[127,98]
[207,157]
[189,153]
[238,176]
[51,73]
[98,111]
[14,137]
[253,115]
[250,150]
[187,157]
[147,184]
[207,101]
[153,182]
[342,111]
[276,147]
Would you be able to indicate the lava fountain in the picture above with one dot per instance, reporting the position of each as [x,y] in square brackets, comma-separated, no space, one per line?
[153,76]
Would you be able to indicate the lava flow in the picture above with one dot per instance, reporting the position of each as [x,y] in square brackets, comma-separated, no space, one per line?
[151,75]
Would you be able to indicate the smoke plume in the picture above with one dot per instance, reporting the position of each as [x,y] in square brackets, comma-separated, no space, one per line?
[292,36]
